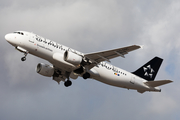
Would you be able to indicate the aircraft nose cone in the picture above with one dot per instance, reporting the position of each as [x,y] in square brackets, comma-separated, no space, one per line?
[8,37]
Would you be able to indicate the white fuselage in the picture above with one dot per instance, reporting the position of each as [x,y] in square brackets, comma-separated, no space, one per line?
[102,72]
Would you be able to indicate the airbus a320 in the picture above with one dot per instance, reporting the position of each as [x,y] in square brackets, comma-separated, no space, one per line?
[68,63]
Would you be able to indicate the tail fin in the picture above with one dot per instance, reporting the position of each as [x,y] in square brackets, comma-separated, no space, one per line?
[150,69]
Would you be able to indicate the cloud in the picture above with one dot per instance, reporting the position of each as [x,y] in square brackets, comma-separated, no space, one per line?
[162,104]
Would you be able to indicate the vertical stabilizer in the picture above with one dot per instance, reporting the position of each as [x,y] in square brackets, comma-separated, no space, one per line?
[150,69]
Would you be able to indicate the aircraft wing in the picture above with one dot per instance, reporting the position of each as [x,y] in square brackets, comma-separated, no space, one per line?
[107,55]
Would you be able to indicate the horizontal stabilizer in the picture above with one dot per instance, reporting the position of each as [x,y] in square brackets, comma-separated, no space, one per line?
[157,83]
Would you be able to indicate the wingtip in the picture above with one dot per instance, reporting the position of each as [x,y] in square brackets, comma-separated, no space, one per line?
[141,46]
[169,81]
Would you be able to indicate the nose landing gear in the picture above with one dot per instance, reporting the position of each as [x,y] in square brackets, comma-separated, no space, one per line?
[24,58]
[22,50]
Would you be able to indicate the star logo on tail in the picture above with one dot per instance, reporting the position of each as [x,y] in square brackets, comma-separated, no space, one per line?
[148,71]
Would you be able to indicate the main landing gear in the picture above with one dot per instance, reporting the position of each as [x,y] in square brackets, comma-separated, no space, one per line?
[24,58]
[86,75]
[67,83]
[62,76]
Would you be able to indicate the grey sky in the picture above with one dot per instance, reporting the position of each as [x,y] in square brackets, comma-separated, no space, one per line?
[90,26]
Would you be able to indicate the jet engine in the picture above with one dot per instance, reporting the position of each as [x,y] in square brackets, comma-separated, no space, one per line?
[72,58]
[45,70]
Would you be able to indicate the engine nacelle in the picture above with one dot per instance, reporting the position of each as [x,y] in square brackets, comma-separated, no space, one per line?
[45,70]
[72,58]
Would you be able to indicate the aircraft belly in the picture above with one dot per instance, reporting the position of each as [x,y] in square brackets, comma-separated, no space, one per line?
[40,53]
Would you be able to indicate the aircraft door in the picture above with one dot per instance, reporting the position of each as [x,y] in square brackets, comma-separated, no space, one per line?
[133,78]
[33,45]
[31,38]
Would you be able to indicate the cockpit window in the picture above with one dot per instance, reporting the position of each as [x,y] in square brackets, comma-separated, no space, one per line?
[21,33]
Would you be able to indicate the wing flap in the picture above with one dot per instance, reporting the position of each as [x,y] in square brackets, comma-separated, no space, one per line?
[157,83]
[141,91]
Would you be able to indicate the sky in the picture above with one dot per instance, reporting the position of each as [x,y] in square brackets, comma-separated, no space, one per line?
[90,26]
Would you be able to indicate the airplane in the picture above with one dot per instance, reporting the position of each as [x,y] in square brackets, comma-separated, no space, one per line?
[68,63]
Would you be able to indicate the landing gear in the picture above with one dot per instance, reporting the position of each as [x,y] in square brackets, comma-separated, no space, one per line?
[24,58]
[61,76]
[67,83]
[86,75]
[57,73]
